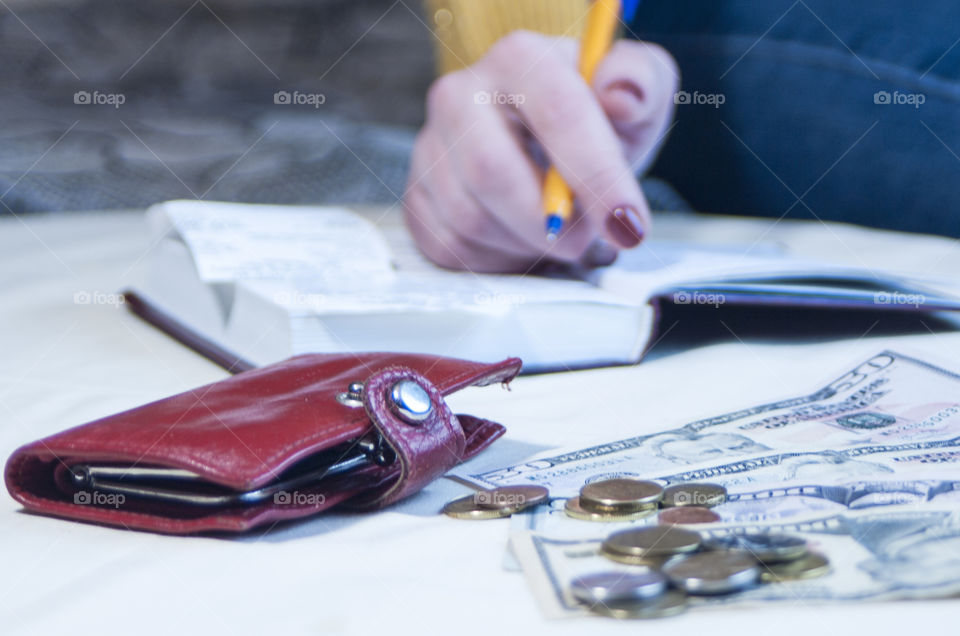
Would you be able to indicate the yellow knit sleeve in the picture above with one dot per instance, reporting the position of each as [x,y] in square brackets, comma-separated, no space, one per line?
[465,29]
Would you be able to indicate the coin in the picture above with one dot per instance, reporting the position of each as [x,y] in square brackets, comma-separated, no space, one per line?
[518,497]
[651,562]
[575,510]
[652,541]
[688,514]
[604,587]
[670,604]
[765,547]
[714,572]
[467,508]
[810,566]
[620,495]
[693,494]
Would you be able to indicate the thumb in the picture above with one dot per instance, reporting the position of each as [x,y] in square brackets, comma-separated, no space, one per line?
[635,85]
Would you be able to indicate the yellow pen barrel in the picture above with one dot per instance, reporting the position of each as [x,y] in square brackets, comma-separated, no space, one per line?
[603,20]
[557,197]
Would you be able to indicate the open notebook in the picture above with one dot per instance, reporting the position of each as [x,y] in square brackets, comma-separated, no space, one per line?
[249,285]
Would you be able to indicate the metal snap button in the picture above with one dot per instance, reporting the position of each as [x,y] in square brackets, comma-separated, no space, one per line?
[410,402]
[353,396]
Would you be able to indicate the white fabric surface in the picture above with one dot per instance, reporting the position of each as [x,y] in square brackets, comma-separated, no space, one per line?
[406,569]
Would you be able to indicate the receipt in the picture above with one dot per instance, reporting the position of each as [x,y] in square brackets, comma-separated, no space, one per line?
[229,242]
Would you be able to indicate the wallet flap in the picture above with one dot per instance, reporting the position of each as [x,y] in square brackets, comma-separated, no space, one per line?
[426,436]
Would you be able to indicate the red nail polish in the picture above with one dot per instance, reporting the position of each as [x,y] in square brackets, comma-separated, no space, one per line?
[625,226]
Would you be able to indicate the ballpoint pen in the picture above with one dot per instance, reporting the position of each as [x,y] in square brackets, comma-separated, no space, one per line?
[603,19]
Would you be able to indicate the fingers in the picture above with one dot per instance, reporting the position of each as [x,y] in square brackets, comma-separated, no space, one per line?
[486,158]
[469,217]
[441,217]
[567,120]
[635,85]
[474,197]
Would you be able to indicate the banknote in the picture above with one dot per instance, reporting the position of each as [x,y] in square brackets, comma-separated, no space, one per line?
[908,552]
[880,407]
[808,485]
[780,486]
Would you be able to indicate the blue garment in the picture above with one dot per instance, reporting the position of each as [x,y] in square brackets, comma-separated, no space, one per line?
[852,107]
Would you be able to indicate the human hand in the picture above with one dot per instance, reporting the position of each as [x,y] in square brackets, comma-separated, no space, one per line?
[473,200]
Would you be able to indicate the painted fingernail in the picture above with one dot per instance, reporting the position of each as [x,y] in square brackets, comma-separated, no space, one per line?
[599,254]
[625,226]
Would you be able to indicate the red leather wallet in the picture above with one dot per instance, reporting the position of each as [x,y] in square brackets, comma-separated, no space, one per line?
[281,442]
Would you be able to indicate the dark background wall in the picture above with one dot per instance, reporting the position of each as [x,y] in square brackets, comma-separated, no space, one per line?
[198,116]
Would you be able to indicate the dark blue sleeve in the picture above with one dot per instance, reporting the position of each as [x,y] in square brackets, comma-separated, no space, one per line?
[815,109]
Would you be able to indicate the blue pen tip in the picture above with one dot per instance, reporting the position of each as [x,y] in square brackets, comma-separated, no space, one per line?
[554,225]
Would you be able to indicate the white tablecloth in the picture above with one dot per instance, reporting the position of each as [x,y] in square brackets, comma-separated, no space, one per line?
[405,569]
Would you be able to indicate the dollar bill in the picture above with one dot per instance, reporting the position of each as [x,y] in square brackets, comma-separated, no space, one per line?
[780,486]
[888,404]
[909,552]
[809,485]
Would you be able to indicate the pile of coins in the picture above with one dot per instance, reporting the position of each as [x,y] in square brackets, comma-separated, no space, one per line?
[497,503]
[615,500]
[629,499]
[676,562]
[679,562]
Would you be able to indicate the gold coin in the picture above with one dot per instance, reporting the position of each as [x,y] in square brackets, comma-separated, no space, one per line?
[703,495]
[467,508]
[620,495]
[574,509]
[519,497]
[670,604]
[811,566]
[652,541]
[651,562]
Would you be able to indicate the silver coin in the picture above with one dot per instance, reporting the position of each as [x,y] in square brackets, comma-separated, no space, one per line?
[670,604]
[765,547]
[714,572]
[605,587]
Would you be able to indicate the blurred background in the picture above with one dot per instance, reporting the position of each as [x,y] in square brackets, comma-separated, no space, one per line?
[110,104]
[113,104]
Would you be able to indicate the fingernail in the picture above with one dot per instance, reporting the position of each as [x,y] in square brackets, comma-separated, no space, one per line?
[599,254]
[625,226]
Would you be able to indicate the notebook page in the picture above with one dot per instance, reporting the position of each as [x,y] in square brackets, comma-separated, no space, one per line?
[231,242]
